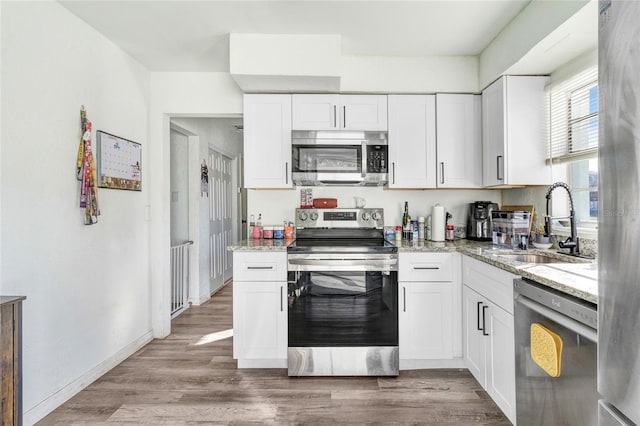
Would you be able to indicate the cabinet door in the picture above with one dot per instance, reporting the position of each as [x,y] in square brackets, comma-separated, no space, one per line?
[493,134]
[459,141]
[363,112]
[500,356]
[425,320]
[260,320]
[412,141]
[472,338]
[315,112]
[267,141]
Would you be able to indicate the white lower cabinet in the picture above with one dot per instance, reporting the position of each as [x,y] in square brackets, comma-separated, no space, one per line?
[429,319]
[260,310]
[488,333]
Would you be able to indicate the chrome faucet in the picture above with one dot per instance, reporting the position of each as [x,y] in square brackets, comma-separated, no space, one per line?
[572,242]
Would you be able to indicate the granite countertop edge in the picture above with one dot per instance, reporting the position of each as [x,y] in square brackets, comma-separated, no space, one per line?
[482,251]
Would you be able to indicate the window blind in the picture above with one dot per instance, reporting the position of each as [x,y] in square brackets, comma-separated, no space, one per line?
[573,118]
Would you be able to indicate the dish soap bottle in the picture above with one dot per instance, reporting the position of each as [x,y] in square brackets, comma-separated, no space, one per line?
[257,230]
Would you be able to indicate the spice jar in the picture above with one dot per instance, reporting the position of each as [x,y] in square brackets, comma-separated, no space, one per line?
[449,233]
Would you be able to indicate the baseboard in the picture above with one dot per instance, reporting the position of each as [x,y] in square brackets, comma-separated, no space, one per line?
[45,407]
[204,297]
[422,364]
[262,363]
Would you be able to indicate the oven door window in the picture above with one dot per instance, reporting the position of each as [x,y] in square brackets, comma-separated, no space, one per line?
[343,309]
[327,159]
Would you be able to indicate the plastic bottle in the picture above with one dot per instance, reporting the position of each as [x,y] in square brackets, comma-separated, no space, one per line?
[257,230]
[428,228]
[421,228]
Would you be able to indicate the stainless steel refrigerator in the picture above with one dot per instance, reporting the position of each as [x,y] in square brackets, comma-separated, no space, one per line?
[619,215]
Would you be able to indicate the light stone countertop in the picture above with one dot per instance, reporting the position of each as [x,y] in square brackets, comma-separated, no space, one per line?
[575,276]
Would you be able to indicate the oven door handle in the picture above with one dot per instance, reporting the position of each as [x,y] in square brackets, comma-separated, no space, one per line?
[564,321]
[320,265]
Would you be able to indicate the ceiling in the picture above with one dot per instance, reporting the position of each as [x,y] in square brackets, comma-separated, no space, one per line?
[194,35]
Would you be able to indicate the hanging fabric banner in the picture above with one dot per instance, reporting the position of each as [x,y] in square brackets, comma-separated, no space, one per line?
[86,173]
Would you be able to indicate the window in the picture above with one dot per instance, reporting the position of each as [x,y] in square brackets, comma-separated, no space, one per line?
[573,141]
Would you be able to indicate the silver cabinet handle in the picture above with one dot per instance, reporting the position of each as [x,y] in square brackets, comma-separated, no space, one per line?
[426,267]
[344,117]
[498,167]
[286,172]
[442,172]
[281,307]
[478,316]
[484,322]
[404,299]
[335,117]
[259,267]
[393,172]
[364,159]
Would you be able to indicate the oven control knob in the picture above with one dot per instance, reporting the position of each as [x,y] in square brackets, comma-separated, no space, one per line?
[365,216]
[314,216]
[375,216]
[302,216]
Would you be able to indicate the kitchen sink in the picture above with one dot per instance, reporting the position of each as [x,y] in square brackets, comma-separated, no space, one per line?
[530,258]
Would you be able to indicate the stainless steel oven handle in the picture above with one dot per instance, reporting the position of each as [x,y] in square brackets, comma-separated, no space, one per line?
[344,261]
[562,320]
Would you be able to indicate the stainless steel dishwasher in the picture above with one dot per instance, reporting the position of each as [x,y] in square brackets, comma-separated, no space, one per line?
[572,397]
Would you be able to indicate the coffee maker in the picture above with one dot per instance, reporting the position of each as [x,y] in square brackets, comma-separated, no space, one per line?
[479,220]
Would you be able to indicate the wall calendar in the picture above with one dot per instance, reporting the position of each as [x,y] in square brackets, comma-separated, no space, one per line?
[119,162]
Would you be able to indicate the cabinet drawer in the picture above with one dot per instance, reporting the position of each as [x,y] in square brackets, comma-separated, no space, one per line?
[491,282]
[259,266]
[425,267]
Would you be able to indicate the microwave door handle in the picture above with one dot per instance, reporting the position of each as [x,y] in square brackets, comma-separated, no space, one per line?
[364,159]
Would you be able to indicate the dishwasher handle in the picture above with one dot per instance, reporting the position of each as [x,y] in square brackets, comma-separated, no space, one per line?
[560,319]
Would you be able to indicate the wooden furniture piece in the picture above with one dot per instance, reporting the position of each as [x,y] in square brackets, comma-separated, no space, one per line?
[11,360]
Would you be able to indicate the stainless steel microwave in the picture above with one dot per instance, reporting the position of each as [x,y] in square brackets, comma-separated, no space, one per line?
[340,158]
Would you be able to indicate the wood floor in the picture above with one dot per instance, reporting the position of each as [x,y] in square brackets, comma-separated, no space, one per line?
[190,378]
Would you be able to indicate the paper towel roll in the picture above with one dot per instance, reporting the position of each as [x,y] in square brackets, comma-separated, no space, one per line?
[437,223]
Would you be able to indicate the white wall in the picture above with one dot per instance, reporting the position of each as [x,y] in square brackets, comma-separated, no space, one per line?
[176,94]
[87,287]
[446,74]
[278,205]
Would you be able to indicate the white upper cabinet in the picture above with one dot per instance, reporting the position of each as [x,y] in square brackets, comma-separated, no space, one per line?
[267,141]
[340,112]
[513,128]
[459,140]
[412,141]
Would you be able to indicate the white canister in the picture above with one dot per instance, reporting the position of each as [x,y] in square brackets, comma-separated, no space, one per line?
[437,223]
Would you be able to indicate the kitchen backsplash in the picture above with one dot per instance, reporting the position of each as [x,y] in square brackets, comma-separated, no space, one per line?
[278,205]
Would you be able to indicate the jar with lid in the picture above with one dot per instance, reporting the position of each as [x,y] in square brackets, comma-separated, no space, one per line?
[278,232]
[267,232]
[449,234]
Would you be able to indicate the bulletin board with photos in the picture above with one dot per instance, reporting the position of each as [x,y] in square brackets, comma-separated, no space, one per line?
[119,162]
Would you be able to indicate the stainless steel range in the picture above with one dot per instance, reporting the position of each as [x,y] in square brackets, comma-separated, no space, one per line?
[343,295]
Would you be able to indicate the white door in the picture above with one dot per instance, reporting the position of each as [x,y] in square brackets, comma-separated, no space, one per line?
[412,141]
[267,141]
[227,219]
[459,140]
[425,320]
[500,355]
[493,134]
[314,112]
[216,203]
[472,338]
[363,112]
[262,314]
